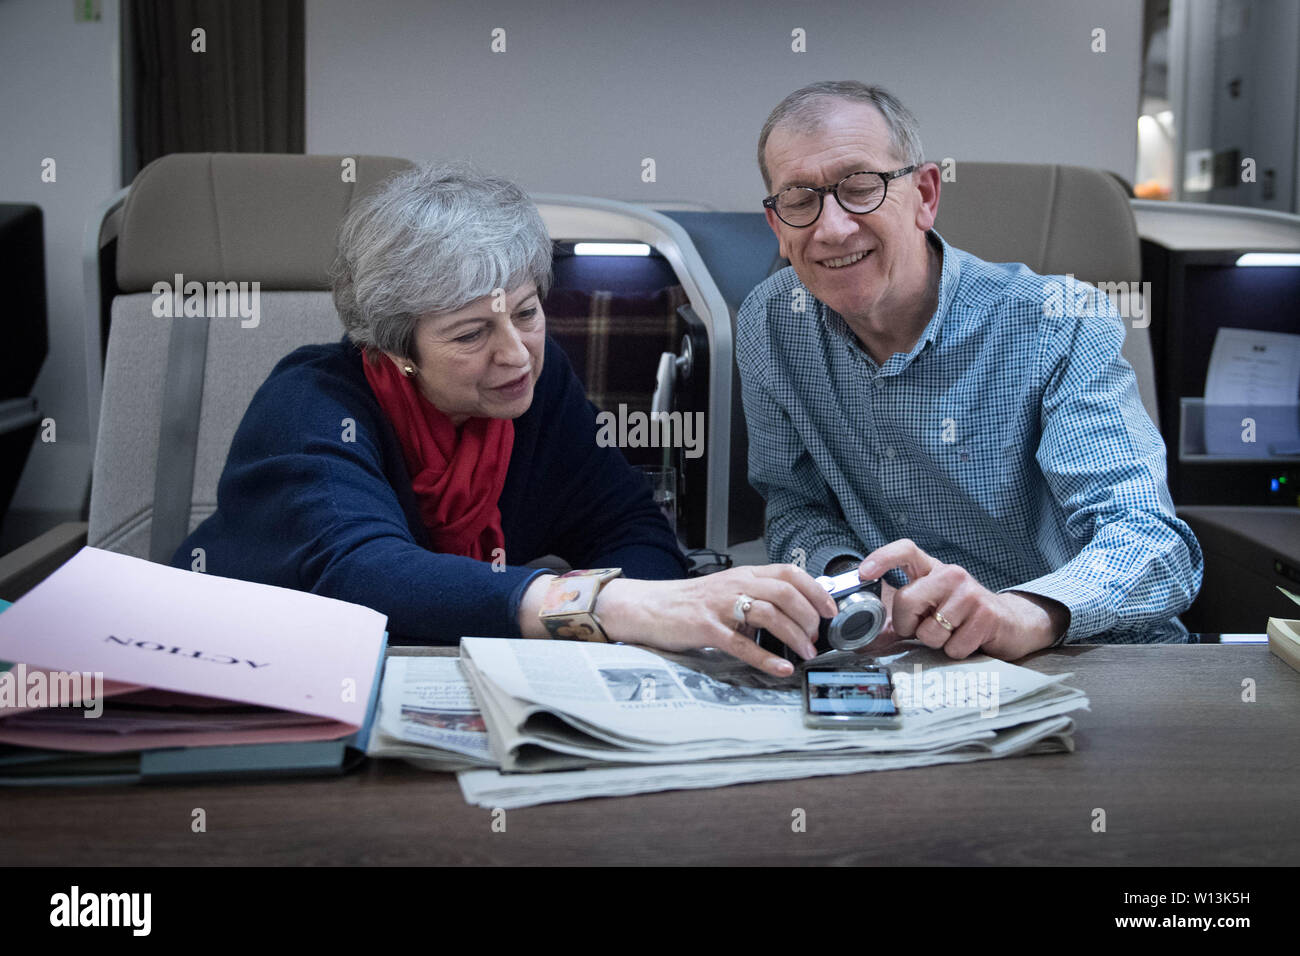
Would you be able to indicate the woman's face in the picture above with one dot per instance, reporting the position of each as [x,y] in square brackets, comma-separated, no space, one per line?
[480,363]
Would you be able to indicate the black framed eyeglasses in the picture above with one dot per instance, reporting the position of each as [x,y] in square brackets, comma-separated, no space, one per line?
[859,193]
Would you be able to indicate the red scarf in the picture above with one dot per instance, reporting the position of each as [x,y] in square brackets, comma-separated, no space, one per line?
[457,478]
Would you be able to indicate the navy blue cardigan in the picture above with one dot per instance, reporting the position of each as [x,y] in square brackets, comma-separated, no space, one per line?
[316,496]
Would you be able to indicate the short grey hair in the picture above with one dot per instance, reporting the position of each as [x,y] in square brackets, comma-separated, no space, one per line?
[806,110]
[431,240]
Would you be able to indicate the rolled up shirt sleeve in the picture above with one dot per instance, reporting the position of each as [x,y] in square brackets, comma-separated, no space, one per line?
[1103,461]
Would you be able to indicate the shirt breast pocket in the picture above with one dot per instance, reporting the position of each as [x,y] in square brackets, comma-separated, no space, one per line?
[976,462]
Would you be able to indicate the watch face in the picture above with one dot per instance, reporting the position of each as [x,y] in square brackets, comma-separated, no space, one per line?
[570,600]
[575,591]
[566,595]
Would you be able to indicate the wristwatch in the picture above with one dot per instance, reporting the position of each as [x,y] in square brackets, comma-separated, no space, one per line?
[569,606]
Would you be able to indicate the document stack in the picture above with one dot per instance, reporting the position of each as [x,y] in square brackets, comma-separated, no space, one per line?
[116,669]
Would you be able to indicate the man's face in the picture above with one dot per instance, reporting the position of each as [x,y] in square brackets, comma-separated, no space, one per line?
[860,265]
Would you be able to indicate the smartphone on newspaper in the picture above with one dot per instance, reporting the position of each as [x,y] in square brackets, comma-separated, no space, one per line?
[850,697]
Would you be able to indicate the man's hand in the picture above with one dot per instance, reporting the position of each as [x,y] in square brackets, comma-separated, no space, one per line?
[1006,626]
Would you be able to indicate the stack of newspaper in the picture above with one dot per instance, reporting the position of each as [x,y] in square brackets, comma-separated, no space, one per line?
[606,719]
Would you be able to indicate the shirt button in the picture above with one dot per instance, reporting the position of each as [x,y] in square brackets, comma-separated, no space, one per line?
[900,519]
[880,381]
[889,452]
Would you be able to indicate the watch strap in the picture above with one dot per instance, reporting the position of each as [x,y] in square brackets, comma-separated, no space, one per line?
[569,606]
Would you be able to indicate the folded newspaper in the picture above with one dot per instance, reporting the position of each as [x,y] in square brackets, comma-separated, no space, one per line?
[607,719]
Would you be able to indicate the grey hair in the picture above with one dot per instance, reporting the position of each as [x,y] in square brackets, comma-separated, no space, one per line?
[806,109]
[431,240]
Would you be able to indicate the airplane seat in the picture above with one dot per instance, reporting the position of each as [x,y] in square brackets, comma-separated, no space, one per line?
[175,389]
[613,318]
[1058,220]
[740,251]
[651,332]
[1070,220]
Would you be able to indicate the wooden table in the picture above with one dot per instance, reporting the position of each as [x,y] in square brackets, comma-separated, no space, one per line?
[1186,772]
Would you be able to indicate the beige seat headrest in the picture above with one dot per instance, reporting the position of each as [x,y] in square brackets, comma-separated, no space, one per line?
[1054,219]
[263,217]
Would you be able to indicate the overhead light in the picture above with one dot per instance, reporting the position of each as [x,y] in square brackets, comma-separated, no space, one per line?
[611,249]
[1269,259]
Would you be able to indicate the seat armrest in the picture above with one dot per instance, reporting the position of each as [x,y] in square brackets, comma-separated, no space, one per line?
[25,567]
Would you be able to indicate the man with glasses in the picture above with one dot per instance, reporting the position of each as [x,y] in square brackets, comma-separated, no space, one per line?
[915,404]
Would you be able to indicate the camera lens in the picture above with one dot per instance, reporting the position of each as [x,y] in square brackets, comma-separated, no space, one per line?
[860,619]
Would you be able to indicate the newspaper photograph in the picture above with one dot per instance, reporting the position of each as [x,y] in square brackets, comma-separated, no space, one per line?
[428,715]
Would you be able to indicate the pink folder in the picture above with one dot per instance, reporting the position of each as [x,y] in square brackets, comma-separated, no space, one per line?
[166,636]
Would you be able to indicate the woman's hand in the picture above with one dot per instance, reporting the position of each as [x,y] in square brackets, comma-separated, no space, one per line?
[700,612]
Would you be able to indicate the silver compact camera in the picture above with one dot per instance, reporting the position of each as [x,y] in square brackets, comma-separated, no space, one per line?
[859,620]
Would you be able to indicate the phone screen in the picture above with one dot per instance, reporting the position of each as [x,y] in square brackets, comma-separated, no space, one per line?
[867,691]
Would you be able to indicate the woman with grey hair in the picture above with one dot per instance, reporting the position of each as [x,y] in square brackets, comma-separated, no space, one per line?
[419,464]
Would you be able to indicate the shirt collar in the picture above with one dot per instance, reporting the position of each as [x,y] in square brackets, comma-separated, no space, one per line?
[949,276]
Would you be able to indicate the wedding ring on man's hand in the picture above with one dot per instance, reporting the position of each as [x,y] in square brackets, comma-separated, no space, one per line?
[946,624]
[741,608]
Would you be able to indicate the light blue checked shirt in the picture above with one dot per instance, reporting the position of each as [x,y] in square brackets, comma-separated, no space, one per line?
[1010,441]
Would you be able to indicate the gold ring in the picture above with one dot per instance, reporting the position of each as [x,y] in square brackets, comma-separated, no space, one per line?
[948,625]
